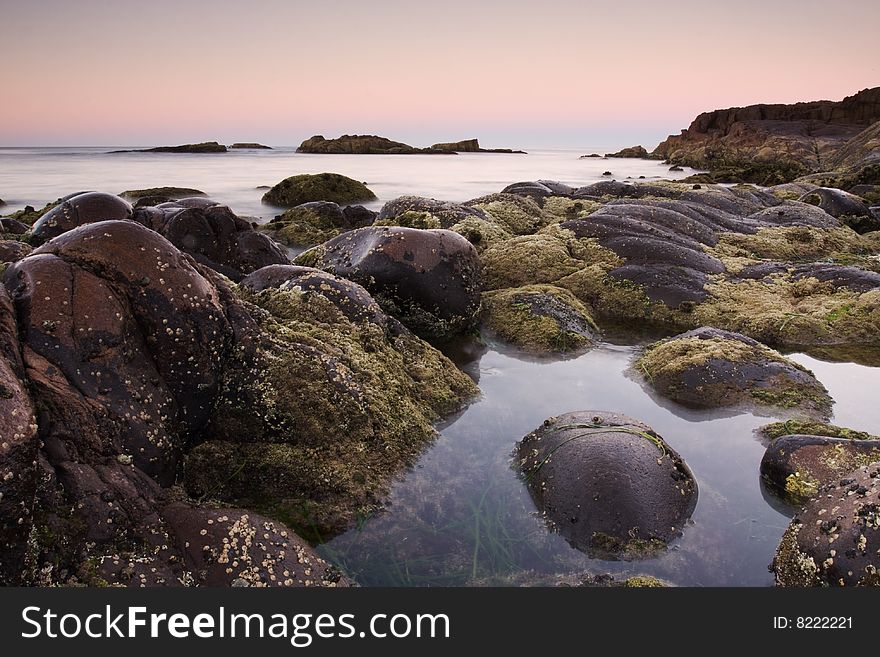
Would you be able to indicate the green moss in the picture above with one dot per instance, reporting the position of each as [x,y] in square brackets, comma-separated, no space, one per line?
[793,244]
[669,366]
[342,405]
[305,188]
[810,427]
[517,214]
[605,545]
[302,227]
[561,208]
[30,215]
[481,233]
[644,582]
[539,318]
[412,219]
[169,192]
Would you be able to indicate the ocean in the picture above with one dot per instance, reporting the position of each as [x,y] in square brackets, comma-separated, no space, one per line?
[35,176]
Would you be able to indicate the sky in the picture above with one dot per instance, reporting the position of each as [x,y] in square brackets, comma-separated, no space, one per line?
[515,74]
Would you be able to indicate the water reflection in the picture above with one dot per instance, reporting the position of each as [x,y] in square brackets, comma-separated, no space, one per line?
[463,516]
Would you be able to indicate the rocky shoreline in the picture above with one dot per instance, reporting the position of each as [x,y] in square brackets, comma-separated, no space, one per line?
[183,402]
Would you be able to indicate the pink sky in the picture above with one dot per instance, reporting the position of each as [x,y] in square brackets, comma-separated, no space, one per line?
[513,73]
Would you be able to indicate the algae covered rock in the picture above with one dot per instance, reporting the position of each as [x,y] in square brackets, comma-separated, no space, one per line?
[712,368]
[539,319]
[795,466]
[315,222]
[609,484]
[168,192]
[305,188]
[79,210]
[336,399]
[835,539]
[421,212]
[519,215]
[428,279]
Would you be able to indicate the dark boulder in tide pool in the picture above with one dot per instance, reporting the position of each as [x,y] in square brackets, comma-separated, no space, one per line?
[835,539]
[428,279]
[79,210]
[607,483]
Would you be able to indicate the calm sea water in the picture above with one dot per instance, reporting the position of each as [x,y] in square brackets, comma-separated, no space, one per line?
[462,515]
[35,176]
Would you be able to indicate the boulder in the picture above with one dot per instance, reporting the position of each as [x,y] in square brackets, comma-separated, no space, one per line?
[428,279]
[13,226]
[215,237]
[421,212]
[79,210]
[609,484]
[305,188]
[539,319]
[312,223]
[12,250]
[835,539]
[712,368]
[796,466]
[849,208]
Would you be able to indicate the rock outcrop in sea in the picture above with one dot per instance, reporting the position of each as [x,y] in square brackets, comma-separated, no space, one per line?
[770,144]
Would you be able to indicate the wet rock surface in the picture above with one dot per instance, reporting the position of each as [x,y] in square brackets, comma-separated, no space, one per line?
[11,250]
[79,210]
[607,483]
[539,319]
[712,368]
[835,539]
[214,236]
[796,466]
[119,353]
[316,222]
[421,212]
[306,188]
[428,279]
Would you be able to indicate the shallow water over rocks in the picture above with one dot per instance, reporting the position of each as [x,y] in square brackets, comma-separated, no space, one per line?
[463,516]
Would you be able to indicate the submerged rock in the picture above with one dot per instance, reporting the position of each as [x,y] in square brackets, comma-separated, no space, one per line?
[712,368]
[540,319]
[76,211]
[796,466]
[609,484]
[835,539]
[428,279]
[312,223]
[306,188]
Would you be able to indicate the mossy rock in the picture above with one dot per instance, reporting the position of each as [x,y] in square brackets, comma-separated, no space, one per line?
[312,223]
[810,427]
[796,466]
[305,188]
[312,429]
[712,368]
[539,319]
[425,213]
[482,233]
[29,214]
[167,192]
[519,215]
[835,539]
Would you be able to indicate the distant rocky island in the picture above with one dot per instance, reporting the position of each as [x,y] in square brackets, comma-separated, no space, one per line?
[375,145]
[204,147]
[471,146]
